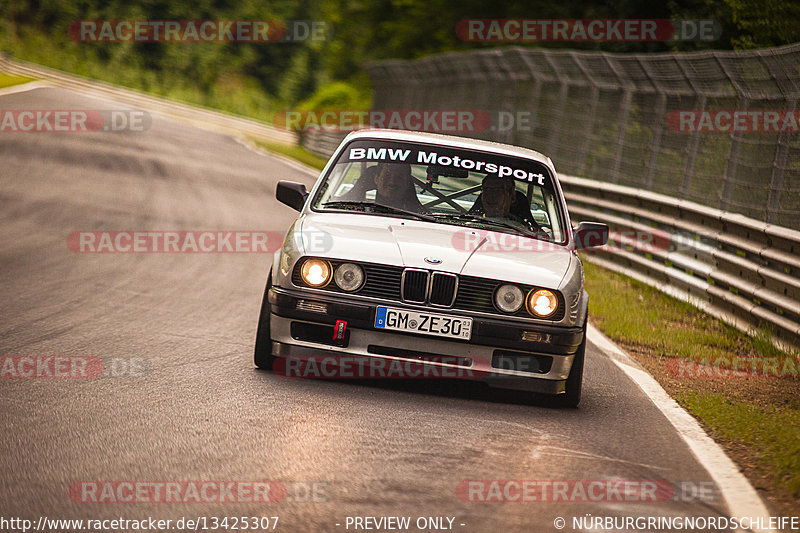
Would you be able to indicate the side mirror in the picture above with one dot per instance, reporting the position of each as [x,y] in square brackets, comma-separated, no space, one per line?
[292,194]
[590,234]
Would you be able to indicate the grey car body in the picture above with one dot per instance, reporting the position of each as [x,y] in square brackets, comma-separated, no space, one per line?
[393,251]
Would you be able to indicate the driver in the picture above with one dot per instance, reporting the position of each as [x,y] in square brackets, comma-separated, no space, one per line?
[499,199]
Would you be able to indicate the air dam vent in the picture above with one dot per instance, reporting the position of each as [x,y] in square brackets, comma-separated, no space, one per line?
[522,362]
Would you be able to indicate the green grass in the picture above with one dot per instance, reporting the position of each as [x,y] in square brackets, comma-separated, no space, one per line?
[670,327]
[295,152]
[634,313]
[7,80]
[773,432]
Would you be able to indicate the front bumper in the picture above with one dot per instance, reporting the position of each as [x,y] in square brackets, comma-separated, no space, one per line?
[504,353]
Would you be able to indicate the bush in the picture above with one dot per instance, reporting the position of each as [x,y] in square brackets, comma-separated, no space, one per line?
[335,95]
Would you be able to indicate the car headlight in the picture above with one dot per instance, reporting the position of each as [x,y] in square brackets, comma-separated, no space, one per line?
[542,303]
[316,272]
[348,276]
[509,298]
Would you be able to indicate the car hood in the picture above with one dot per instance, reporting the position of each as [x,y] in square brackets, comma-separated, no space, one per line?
[407,243]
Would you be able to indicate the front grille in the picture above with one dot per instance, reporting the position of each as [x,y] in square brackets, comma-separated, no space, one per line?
[381,281]
[476,294]
[466,293]
[415,285]
[443,289]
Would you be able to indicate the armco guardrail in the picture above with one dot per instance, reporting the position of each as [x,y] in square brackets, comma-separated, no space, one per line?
[190,114]
[743,271]
[320,142]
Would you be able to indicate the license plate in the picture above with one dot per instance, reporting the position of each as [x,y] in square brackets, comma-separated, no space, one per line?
[453,327]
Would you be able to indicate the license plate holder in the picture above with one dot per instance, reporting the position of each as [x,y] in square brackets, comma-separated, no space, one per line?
[423,323]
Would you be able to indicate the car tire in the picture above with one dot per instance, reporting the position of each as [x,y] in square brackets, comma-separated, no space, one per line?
[572,394]
[263,357]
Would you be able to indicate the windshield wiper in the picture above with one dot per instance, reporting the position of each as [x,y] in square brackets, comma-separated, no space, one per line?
[491,221]
[388,208]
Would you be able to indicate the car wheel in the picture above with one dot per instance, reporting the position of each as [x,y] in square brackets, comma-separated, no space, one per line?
[572,395]
[263,357]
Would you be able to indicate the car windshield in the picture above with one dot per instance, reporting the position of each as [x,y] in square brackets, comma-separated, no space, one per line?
[450,186]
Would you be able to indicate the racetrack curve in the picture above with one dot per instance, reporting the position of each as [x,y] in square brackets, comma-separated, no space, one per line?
[203,412]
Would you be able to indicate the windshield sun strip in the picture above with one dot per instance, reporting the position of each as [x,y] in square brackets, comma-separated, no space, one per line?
[560,219]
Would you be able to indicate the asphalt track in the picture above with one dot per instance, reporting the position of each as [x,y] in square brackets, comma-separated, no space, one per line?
[201,411]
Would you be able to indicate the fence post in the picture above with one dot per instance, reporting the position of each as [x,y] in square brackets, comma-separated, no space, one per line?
[586,132]
[563,91]
[732,162]
[535,95]
[778,168]
[627,97]
[655,141]
[691,154]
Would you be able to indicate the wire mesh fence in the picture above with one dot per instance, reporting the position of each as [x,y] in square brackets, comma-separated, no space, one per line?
[718,127]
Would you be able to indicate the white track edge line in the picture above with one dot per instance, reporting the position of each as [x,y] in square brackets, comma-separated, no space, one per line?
[310,171]
[740,497]
[22,87]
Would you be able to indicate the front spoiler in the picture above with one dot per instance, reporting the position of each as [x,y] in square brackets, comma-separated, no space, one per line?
[362,343]
[493,379]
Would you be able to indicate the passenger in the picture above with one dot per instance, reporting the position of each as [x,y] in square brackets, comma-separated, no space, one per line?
[395,187]
[497,195]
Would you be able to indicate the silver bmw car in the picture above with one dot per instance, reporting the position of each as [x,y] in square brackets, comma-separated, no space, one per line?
[455,255]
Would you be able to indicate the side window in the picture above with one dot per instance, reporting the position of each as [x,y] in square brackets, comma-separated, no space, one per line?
[551,208]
